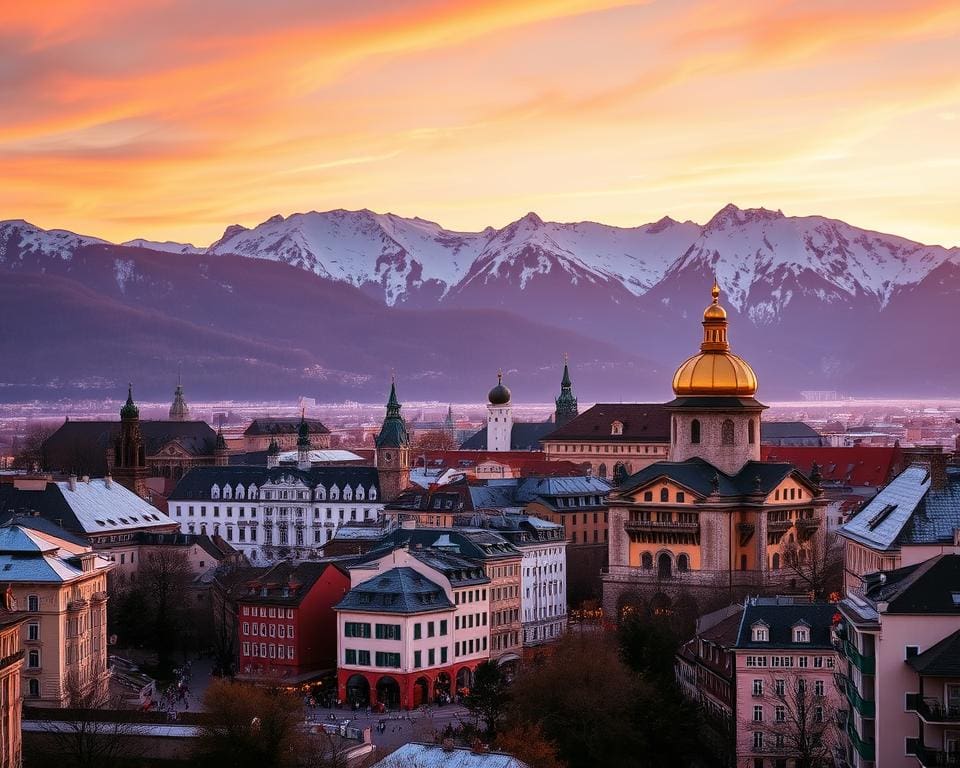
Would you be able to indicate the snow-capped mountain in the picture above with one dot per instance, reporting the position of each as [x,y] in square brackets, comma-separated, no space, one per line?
[167,246]
[814,302]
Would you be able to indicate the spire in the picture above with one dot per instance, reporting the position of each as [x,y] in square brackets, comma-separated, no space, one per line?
[567,407]
[179,411]
[221,440]
[393,433]
[715,324]
[129,410]
[303,432]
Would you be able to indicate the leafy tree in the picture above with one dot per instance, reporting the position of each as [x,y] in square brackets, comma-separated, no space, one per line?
[488,696]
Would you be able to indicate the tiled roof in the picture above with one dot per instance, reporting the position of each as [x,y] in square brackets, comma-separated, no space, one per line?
[780,615]
[697,475]
[92,507]
[287,583]
[642,422]
[908,511]
[81,446]
[473,543]
[869,466]
[525,436]
[287,425]
[940,660]
[787,430]
[27,556]
[399,590]
[458,570]
[196,484]
[927,587]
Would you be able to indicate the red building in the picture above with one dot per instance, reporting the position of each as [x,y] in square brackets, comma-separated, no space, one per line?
[286,625]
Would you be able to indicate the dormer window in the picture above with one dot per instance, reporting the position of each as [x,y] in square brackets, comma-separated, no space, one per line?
[227,492]
[801,633]
[373,493]
[760,632]
[239,491]
[616,428]
[334,493]
[215,492]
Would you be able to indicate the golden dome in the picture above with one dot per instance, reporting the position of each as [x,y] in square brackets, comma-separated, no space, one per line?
[716,371]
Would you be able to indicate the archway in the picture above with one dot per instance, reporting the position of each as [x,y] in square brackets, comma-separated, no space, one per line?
[602,472]
[421,691]
[441,687]
[358,690]
[388,692]
[661,605]
[464,681]
[629,604]
[664,566]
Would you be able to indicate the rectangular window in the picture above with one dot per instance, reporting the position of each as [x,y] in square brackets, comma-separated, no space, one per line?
[758,687]
[443,654]
[387,631]
[430,628]
[818,688]
[290,653]
[443,627]
[432,656]
[246,649]
[758,740]
[356,629]
[363,658]
[33,631]
[384,659]
[781,713]
[417,659]
[349,656]
[758,713]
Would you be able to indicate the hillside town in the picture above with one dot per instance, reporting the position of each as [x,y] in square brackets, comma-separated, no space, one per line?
[788,589]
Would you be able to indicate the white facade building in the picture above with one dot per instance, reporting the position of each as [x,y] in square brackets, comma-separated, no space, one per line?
[275,513]
[499,417]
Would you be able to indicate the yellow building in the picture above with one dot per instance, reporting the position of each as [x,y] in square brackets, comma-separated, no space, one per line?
[60,584]
[11,661]
[713,521]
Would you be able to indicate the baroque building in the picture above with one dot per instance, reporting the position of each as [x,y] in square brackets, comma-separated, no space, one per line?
[713,520]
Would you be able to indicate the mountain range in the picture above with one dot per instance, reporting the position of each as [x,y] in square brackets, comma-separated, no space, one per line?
[326,304]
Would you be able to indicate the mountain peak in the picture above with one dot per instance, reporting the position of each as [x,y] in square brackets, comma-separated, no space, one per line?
[532,219]
[731,216]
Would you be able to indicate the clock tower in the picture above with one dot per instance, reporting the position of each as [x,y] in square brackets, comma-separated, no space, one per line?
[392,456]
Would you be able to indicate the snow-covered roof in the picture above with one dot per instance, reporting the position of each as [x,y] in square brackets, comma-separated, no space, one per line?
[436,756]
[104,507]
[322,456]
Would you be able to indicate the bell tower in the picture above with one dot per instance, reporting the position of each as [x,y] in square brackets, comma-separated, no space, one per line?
[567,408]
[499,417]
[129,455]
[392,455]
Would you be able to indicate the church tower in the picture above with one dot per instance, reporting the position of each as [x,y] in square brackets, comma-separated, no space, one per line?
[129,456]
[499,417]
[392,455]
[303,443]
[715,415]
[179,411]
[566,404]
[221,455]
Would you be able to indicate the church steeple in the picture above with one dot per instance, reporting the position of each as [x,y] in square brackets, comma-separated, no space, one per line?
[129,456]
[303,442]
[567,408]
[392,456]
[179,411]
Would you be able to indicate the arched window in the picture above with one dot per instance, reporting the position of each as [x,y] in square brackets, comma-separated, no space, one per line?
[646,559]
[602,471]
[215,492]
[752,431]
[33,603]
[33,688]
[695,431]
[619,473]
[683,563]
[664,566]
[239,491]
[674,429]
[776,561]
[616,428]
[373,493]
[664,494]
[726,432]
[648,495]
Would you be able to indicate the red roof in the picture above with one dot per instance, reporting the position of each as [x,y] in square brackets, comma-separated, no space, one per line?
[871,466]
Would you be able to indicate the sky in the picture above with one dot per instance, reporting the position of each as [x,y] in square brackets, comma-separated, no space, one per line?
[171,119]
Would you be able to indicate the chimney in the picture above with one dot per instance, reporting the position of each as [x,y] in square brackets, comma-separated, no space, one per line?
[932,457]
[72,483]
[86,479]
[108,482]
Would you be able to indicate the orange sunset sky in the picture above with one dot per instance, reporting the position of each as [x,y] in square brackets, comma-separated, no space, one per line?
[170,119]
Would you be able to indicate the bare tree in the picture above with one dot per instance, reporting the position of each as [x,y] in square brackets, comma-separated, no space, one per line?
[435,440]
[164,577]
[802,724]
[93,731]
[28,450]
[815,561]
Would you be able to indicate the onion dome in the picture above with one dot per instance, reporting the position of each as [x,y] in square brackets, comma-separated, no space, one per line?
[129,409]
[499,395]
[716,371]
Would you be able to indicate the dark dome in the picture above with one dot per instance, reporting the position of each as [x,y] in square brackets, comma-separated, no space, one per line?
[499,395]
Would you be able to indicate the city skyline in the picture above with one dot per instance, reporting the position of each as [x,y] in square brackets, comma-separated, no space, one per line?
[128,122]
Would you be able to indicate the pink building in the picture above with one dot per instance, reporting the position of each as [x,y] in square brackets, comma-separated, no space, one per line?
[901,668]
[785,694]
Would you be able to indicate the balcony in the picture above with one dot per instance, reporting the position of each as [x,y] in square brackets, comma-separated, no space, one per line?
[807,525]
[932,710]
[13,658]
[936,758]
[779,527]
[98,597]
[77,605]
[866,708]
[866,664]
[866,749]
[658,526]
